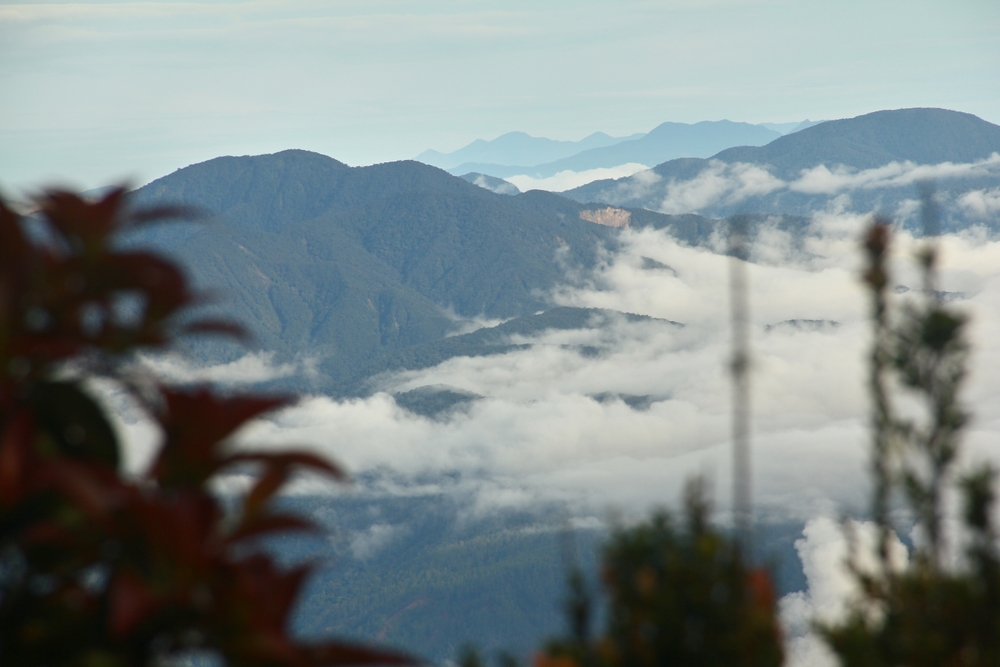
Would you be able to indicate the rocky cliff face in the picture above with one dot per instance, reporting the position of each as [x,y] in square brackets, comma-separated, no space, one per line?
[609,217]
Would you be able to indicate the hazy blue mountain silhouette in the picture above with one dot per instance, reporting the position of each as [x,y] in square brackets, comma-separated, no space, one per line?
[921,136]
[517,148]
[664,142]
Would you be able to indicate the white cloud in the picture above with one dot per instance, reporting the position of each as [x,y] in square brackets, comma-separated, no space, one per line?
[252,367]
[981,203]
[539,434]
[463,325]
[719,183]
[722,184]
[832,589]
[368,542]
[823,180]
[567,180]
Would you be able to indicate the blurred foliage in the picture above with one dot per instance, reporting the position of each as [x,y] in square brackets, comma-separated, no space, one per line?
[677,595]
[99,567]
[931,612]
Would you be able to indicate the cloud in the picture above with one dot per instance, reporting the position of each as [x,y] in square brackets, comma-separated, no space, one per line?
[552,425]
[250,368]
[567,180]
[366,543]
[822,180]
[719,183]
[501,188]
[981,203]
[832,589]
[723,184]
[463,325]
[539,435]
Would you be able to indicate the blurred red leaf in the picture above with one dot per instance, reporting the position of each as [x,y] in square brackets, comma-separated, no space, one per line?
[153,214]
[131,602]
[195,424]
[265,525]
[14,455]
[115,554]
[343,653]
[277,468]
[221,327]
[82,223]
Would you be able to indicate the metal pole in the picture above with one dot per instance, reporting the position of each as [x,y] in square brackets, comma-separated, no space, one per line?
[740,370]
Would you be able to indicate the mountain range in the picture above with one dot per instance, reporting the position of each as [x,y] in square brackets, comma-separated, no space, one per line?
[874,160]
[369,270]
[360,269]
[518,148]
[664,142]
[535,154]
[349,266]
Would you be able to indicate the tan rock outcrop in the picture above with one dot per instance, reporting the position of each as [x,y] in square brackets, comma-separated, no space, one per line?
[609,217]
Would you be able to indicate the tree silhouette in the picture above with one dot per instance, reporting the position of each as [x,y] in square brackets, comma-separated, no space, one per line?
[97,567]
[928,614]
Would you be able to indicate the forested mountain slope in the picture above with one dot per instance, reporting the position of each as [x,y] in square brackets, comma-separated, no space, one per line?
[351,265]
[870,162]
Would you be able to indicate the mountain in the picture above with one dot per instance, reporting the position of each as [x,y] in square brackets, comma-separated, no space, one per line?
[420,572]
[788,128]
[923,136]
[517,148]
[802,172]
[350,266]
[804,124]
[491,183]
[664,142]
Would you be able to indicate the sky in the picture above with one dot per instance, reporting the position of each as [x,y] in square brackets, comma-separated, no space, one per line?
[98,92]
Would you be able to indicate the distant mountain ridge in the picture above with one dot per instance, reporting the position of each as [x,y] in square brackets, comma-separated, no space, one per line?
[664,142]
[368,269]
[920,136]
[517,148]
[789,128]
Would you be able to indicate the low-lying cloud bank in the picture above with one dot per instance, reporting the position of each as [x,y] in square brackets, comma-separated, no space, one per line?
[722,186]
[567,180]
[561,420]
[556,423]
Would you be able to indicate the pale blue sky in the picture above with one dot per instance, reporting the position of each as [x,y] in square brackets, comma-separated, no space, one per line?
[93,92]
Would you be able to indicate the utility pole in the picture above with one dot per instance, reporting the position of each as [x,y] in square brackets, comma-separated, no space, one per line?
[740,372]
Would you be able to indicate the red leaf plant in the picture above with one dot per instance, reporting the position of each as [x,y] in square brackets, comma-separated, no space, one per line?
[97,568]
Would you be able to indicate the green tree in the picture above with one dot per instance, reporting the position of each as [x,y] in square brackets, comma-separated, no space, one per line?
[677,595]
[97,567]
[927,614]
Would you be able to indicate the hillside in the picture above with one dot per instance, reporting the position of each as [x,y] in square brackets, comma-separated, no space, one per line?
[923,136]
[419,572]
[844,147]
[351,265]
[491,183]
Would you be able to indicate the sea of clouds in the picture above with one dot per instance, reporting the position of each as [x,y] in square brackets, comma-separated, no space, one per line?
[569,179]
[722,184]
[549,428]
